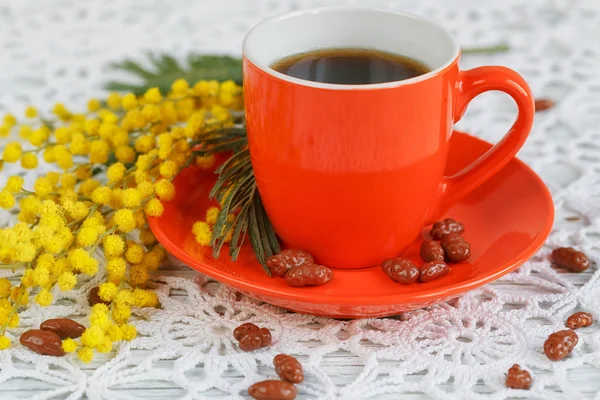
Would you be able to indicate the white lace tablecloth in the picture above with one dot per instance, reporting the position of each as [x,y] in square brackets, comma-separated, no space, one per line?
[59,51]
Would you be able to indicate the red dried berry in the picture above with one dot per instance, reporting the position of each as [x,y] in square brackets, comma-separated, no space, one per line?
[571,259]
[456,247]
[518,378]
[288,368]
[560,344]
[431,251]
[401,270]
[580,320]
[282,262]
[308,275]
[445,227]
[433,270]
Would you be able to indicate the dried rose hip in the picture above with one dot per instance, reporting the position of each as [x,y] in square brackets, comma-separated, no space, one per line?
[431,251]
[518,378]
[580,320]
[308,275]
[273,390]
[42,342]
[445,227]
[571,259]
[265,334]
[433,270]
[251,341]
[251,337]
[63,327]
[288,368]
[401,270]
[543,104]
[243,330]
[457,249]
[94,298]
[287,259]
[560,344]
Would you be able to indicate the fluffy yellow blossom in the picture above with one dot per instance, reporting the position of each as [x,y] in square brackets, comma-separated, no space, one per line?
[85,354]
[165,190]
[180,87]
[77,210]
[202,232]
[29,161]
[144,298]
[113,246]
[145,143]
[63,157]
[44,298]
[42,186]
[9,120]
[25,131]
[92,337]
[205,162]
[100,318]
[154,208]
[124,220]
[12,152]
[93,105]
[102,195]
[87,237]
[114,100]
[67,281]
[131,198]
[114,333]
[151,112]
[5,288]
[82,261]
[108,291]
[69,345]
[145,188]
[135,253]
[116,269]
[121,313]
[128,332]
[129,101]
[7,200]
[61,111]
[152,96]
[105,346]
[4,342]
[41,276]
[151,261]
[125,154]
[147,237]
[99,151]
[14,184]
[211,215]
[68,181]
[91,127]
[138,275]
[115,172]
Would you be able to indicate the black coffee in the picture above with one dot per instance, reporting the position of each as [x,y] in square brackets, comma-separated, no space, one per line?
[350,66]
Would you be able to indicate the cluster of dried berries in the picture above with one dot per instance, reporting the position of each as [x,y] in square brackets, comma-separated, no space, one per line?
[557,347]
[290,371]
[452,247]
[251,337]
[298,268]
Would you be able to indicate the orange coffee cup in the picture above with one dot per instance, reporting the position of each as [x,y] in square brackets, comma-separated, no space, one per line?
[352,173]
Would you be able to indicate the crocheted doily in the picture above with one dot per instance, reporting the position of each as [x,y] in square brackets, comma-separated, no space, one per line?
[60,50]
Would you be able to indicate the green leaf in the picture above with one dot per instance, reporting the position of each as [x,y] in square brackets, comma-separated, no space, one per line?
[165,70]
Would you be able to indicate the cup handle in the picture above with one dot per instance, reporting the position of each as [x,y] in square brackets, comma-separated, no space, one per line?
[471,83]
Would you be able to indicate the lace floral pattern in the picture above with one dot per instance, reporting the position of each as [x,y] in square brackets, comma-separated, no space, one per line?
[60,50]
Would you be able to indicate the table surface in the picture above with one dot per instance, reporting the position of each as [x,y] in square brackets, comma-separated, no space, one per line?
[61,50]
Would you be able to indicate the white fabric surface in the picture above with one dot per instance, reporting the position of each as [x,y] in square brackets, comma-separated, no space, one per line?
[59,51]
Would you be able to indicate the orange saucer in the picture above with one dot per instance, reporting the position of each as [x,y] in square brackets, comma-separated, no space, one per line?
[506,221]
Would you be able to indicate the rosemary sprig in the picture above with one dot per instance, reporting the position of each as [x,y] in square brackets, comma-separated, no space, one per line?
[242,212]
